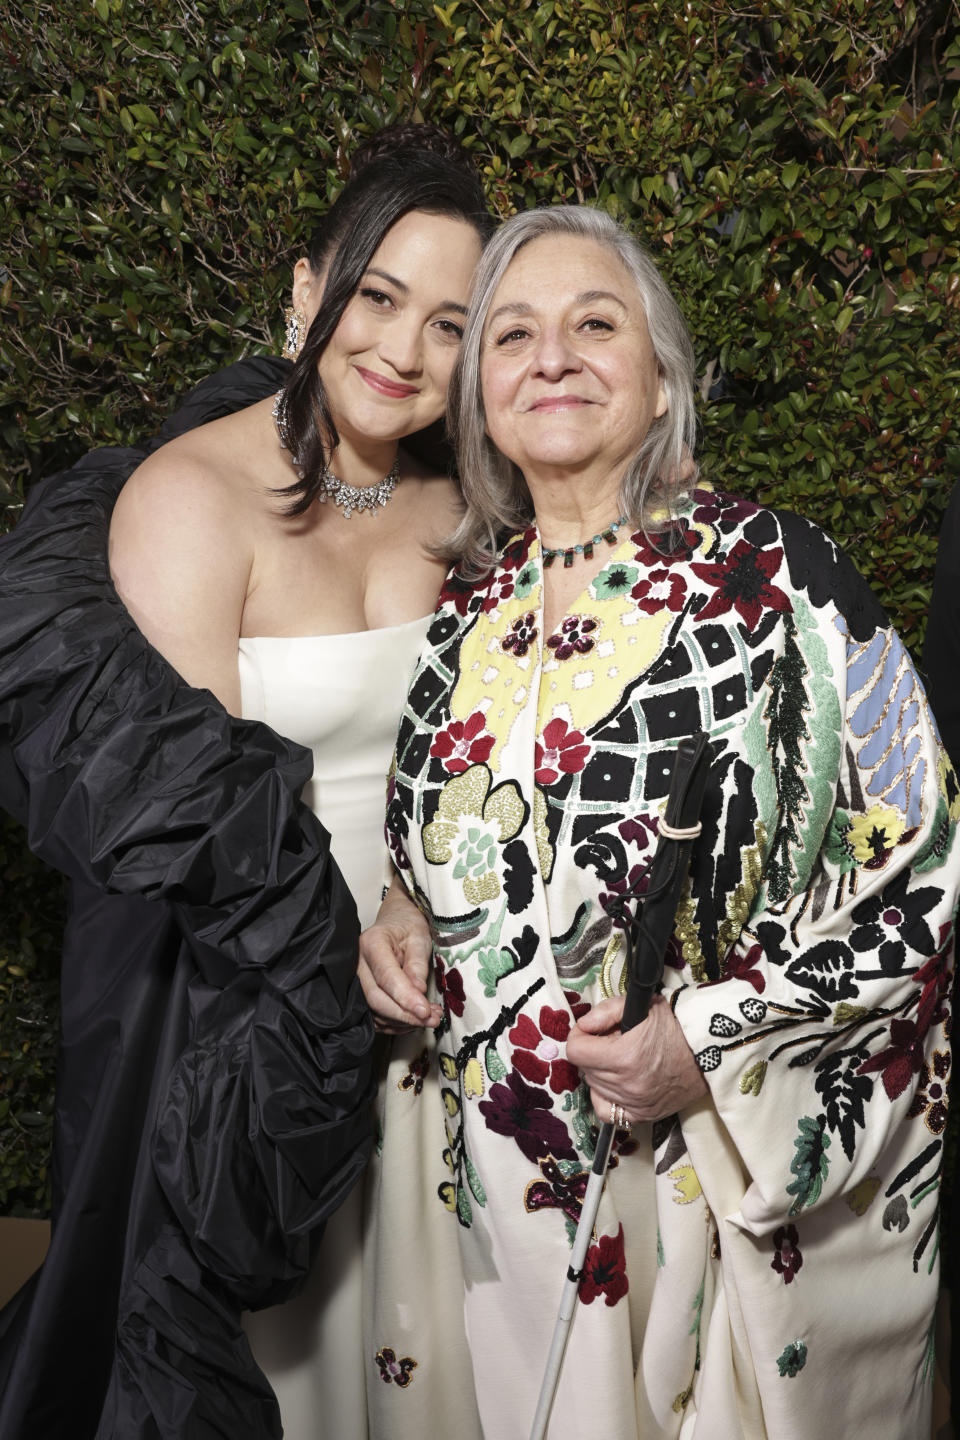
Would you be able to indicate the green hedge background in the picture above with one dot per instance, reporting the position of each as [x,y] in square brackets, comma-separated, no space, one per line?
[793,167]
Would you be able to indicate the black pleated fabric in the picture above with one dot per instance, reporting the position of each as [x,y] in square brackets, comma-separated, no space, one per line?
[215,1070]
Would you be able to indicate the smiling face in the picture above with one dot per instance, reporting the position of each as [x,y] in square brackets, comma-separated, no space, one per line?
[386,367]
[568,371]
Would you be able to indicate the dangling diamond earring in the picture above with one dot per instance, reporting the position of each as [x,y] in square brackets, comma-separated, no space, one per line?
[296,332]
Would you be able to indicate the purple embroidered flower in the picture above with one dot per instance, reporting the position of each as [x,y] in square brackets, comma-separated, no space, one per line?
[557,1191]
[930,1100]
[575,636]
[639,831]
[394,1371]
[521,635]
[524,1113]
[787,1260]
[724,511]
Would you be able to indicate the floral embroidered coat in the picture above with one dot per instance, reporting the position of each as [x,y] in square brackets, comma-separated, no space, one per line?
[766,1263]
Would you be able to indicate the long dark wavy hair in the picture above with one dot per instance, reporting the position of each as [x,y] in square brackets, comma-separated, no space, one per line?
[403,168]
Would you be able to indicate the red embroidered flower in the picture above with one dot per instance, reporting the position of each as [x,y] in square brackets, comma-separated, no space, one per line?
[451,986]
[605,1270]
[463,743]
[578,1005]
[515,554]
[539,1056]
[561,751]
[416,1074]
[672,546]
[903,1057]
[661,590]
[741,967]
[501,588]
[461,594]
[788,1260]
[742,583]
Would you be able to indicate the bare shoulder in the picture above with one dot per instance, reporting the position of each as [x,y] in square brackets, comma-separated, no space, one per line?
[185,484]
[181,555]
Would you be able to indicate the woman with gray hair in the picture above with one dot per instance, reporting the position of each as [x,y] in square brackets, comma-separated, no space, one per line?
[764,1258]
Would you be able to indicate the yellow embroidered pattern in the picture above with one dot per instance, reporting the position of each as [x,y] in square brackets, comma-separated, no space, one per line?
[740,900]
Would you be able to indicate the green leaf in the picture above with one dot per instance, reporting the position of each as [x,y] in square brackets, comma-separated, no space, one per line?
[810,1164]
[495,1067]
[479,1194]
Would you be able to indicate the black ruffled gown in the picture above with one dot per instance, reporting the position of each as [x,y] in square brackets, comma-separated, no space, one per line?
[215,1069]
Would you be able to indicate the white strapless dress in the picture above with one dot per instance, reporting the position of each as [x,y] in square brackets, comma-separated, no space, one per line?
[340,695]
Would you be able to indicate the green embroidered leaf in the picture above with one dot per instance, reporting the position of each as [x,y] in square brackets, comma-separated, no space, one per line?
[792,1359]
[494,964]
[661,1258]
[479,1194]
[810,1164]
[751,1081]
[464,1208]
[495,1066]
[934,852]
[845,1012]
[697,1311]
[582,1119]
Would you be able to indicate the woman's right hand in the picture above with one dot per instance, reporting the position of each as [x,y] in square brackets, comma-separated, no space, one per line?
[395,958]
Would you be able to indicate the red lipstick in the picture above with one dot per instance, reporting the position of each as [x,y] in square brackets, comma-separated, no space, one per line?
[393,389]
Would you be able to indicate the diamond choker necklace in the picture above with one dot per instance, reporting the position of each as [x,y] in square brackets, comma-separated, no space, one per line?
[346,498]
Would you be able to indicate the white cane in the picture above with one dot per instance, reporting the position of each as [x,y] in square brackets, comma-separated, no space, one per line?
[678,829]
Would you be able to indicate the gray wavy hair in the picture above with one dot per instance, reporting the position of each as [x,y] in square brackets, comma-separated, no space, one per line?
[494,489]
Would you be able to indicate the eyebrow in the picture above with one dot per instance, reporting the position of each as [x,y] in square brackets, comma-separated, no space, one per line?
[405,289]
[586,297]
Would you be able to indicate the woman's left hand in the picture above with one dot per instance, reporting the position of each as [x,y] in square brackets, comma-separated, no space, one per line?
[650,1071]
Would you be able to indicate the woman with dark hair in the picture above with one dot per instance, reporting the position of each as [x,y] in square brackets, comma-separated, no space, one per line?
[273,549]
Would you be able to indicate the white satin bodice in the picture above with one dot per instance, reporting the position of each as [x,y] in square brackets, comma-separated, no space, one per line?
[339,695]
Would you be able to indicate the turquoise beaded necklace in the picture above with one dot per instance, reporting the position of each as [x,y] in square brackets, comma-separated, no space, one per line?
[586,549]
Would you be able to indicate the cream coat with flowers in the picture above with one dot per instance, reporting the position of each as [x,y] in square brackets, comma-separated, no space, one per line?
[763,1265]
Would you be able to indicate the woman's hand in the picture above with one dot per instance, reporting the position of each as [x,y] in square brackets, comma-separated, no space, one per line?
[650,1070]
[395,956]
